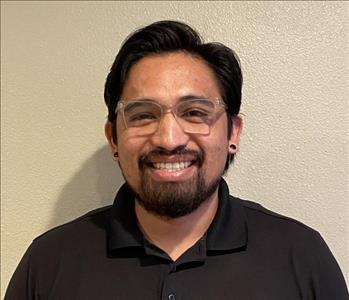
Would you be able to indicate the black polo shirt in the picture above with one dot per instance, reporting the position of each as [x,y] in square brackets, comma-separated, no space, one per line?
[248,252]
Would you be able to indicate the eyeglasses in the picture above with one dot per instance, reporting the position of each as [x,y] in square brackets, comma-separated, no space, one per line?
[193,115]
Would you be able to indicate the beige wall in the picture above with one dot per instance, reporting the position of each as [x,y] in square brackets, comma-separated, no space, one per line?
[54,59]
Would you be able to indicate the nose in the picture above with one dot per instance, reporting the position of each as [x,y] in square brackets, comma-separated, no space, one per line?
[169,134]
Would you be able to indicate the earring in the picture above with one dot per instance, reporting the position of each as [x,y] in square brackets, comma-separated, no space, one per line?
[116,154]
[232,146]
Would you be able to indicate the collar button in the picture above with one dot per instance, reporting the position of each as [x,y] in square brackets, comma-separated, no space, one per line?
[172,296]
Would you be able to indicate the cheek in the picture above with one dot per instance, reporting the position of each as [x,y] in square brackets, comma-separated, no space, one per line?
[217,154]
[126,144]
[129,149]
[216,148]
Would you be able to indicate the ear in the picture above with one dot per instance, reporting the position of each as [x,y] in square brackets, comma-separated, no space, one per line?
[235,134]
[108,131]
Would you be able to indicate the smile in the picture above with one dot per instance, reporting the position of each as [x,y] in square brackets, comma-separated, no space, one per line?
[172,167]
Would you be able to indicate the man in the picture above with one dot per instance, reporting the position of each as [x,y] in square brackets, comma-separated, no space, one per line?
[174,232]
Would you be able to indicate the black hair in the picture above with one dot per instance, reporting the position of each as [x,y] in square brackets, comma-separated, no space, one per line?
[173,36]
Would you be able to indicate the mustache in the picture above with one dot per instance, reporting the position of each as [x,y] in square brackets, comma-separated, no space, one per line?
[144,158]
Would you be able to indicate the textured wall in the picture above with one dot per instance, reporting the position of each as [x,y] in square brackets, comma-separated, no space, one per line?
[55,56]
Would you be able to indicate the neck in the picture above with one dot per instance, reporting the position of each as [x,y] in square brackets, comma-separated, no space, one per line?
[175,236]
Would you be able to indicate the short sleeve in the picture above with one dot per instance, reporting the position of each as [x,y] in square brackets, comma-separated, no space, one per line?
[331,283]
[20,285]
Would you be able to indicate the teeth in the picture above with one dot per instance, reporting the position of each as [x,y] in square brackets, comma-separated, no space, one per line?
[172,167]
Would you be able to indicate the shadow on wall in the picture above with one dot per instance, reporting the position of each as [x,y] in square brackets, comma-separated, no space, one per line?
[93,186]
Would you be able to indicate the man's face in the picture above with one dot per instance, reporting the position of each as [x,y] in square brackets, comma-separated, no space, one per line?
[172,172]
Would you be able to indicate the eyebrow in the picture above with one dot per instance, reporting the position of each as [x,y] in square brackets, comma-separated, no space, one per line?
[183,98]
[190,97]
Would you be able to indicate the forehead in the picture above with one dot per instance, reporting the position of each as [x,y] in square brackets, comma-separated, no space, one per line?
[169,77]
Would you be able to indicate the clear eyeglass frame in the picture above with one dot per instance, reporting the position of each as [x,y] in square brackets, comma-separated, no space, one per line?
[199,123]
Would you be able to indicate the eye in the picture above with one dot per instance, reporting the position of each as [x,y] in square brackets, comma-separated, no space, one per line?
[141,113]
[194,113]
[141,118]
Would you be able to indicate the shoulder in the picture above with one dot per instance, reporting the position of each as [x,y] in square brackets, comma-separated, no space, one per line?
[58,254]
[288,242]
[82,231]
[277,231]
[256,214]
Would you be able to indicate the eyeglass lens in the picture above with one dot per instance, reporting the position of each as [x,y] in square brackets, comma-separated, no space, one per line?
[194,116]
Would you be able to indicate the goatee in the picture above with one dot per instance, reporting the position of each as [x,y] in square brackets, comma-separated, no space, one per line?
[174,199]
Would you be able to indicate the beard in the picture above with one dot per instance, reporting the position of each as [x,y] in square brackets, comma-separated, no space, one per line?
[173,199]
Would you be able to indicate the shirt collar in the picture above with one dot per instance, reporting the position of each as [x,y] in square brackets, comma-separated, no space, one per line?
[123,230]
[227,232]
